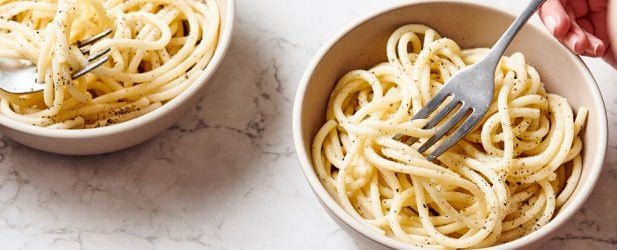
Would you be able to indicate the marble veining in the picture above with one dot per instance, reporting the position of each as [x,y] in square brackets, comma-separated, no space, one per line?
[226,175]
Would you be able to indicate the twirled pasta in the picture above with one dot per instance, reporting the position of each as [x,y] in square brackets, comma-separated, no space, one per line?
[159,48]
[504,180]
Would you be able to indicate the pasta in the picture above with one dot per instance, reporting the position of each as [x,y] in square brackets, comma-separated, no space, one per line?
[504,180]
[158,49]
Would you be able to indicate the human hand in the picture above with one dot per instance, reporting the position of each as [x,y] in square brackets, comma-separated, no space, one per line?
[581,25]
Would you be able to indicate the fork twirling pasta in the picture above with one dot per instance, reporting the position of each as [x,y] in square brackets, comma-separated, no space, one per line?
[158,49]
[504,180]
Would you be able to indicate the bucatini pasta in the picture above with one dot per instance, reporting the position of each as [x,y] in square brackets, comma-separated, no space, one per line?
[158,49]
[504,180]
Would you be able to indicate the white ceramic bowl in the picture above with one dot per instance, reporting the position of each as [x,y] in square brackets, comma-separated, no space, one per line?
[129,133]
[470,24]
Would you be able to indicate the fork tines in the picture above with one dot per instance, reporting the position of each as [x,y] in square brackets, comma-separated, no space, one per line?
[458,110]
[92,57]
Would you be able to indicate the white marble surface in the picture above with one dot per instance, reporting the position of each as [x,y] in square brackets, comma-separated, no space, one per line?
[226,175]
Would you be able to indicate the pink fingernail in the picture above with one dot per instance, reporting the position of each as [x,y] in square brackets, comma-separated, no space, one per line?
[598,49]
[577,46]
[551,24]
[572,44]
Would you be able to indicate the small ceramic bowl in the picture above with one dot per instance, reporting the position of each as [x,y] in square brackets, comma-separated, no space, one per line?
[471,24]
[132,132]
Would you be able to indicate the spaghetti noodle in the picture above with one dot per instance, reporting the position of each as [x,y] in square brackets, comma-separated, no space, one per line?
[158,49]
[504,180]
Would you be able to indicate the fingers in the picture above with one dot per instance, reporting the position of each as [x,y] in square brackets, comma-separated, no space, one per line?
[599,37]
[596,47]
[597,5]
[600,25]
[581,25]
[585,24]
[576,38]
[580,7]
[555,18]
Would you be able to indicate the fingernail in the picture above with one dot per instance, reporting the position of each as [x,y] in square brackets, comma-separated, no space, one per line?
[598,48]
[573,44]
[590,51]
[570,43]
[595,49]
[551,24]
[577,47]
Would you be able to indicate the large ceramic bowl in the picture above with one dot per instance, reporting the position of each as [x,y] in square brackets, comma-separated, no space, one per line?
[471,24]
[129,133]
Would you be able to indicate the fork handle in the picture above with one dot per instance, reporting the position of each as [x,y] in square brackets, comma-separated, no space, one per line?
[500,47]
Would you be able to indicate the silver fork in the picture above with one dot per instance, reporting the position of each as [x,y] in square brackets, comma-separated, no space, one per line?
[19,76]
[470,93]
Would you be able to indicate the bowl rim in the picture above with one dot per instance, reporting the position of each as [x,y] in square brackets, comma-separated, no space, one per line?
[306,163]
[223,44]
